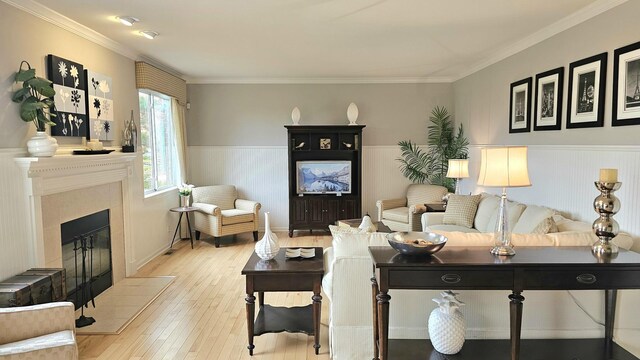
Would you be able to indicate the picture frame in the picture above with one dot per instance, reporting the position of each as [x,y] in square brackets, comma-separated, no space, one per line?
[548,100]
[325,143]
[587,82]
[323,177]
[68,78]
[626,86]
[520,106]
[99,102]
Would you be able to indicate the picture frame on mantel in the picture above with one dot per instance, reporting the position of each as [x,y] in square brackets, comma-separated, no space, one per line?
[520,106]
[587,82]
[548,100]
[626,86]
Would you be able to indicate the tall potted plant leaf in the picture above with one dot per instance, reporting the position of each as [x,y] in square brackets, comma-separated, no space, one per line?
[36,104]
[444,143]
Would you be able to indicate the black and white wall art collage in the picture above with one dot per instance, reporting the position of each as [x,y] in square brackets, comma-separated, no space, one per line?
[83,100]
[585,95]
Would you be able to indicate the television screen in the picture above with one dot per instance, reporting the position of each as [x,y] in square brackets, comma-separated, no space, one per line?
[323,177]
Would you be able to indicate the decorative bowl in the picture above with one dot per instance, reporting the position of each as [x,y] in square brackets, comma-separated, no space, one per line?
[416,243]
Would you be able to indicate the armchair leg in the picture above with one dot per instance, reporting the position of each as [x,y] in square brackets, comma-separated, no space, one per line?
[197,235]
[216,241]
[255,236]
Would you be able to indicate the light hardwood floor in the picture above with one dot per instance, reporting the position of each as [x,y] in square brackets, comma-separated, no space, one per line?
[202,314]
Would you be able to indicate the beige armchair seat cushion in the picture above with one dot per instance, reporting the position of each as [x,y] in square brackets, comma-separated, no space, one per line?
[400,214]
[234,216]
[403,214]
[58,345]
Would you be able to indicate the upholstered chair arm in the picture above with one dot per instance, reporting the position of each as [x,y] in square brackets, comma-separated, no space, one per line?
[432,218]
[248,205]
[389,204]
[207,208]
[20,323]
[417,209]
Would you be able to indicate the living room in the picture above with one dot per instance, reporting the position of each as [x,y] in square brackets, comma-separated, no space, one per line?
[240,90]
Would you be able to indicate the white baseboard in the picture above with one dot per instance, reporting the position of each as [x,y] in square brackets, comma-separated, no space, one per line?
[149,258]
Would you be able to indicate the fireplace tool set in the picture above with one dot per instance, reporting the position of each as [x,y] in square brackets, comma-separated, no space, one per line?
[83,246]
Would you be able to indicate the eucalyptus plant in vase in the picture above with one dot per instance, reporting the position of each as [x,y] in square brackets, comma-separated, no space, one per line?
[36,104]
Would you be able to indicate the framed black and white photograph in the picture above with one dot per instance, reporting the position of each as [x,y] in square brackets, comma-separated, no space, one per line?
[626,86]
[548,100]
[587,79]
[520,106]
[68,79]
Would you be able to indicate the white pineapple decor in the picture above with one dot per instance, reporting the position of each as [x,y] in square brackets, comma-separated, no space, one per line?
[446,324]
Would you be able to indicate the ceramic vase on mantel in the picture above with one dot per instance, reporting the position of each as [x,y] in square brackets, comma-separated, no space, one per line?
[268,247]
[447,325]
[42,145]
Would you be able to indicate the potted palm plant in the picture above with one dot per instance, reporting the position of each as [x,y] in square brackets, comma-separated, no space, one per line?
[444,143]
[36,104]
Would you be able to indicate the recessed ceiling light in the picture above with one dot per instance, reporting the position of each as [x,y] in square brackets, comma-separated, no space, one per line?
[127,20]
[149,34]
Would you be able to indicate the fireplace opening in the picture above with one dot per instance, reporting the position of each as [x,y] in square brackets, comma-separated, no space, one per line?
[94,232]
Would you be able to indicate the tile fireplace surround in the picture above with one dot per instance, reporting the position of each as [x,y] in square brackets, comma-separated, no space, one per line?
[66,187]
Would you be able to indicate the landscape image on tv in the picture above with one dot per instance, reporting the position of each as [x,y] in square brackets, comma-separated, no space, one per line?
[324,177]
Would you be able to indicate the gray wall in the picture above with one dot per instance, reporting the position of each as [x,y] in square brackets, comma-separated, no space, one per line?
[482,99]
[226,115]
[25,37]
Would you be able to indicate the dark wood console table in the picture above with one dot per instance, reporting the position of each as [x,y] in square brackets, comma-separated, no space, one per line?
[532,268]
[282,274]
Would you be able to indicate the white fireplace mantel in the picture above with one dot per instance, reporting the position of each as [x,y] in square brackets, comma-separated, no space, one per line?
[47,176]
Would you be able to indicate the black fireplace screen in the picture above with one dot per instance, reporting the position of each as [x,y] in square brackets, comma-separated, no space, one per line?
[94,231]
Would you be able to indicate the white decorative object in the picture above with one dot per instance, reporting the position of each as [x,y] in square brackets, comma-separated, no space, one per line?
[42,145]
[268,247]
[367,225]
[295,116]
[352,113]
[447,325]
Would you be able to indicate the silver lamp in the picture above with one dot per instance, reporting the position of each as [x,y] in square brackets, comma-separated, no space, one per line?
[458,169]
[503,167]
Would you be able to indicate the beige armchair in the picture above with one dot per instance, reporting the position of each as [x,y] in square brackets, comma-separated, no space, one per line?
[45,331]
[221,213]
[404,214]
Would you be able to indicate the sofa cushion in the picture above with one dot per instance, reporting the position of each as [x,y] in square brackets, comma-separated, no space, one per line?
[487,207]
[233,216]
[400,214]
[450,228]
[461,210]
[565,224]
[514,211]
[531,218]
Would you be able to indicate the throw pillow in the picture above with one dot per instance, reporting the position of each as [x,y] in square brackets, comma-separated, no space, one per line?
[335,230]
[546,226]
[461,210]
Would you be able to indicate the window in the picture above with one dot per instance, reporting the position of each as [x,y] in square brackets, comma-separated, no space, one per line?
[159,152]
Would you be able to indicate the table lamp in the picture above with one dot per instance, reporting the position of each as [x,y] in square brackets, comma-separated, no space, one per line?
[503,167]
[458,169]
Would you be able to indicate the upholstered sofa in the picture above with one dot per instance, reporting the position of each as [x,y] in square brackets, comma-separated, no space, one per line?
[45,331]
[403,214]
[561,314]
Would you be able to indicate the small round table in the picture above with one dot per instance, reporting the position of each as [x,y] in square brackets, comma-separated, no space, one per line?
[183,210]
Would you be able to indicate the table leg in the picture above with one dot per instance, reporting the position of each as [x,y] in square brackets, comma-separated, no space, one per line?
[251,306]
[189,227]
[374,305]
[609,315]
[516,323]
[175,232]
[261,298]
[383,324]
[317,306]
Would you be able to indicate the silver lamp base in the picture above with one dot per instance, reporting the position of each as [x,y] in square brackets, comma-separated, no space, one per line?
[503,251]
[604,248]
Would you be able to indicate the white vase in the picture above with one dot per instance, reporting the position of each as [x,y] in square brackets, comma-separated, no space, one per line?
[184,200]
[352,113]
[268,247]
[42,145]
[447,325]
[295,116]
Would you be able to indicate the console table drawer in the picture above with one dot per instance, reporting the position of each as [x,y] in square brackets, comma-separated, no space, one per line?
[451,279]
[576,279]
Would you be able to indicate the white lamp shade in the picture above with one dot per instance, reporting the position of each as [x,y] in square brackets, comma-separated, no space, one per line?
[504,167]
[458,168]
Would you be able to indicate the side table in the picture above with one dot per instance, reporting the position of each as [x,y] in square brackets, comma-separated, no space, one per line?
[437,207]
[282,274]
[183,210]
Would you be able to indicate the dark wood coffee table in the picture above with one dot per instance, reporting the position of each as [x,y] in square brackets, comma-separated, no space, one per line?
[281,274]
[532,268]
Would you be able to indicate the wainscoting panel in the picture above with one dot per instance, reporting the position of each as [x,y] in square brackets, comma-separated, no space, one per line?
[260,174]
[562,178]
[15,254]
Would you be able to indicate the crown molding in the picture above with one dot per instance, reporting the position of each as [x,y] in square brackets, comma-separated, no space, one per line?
[580,16]
[321,80]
